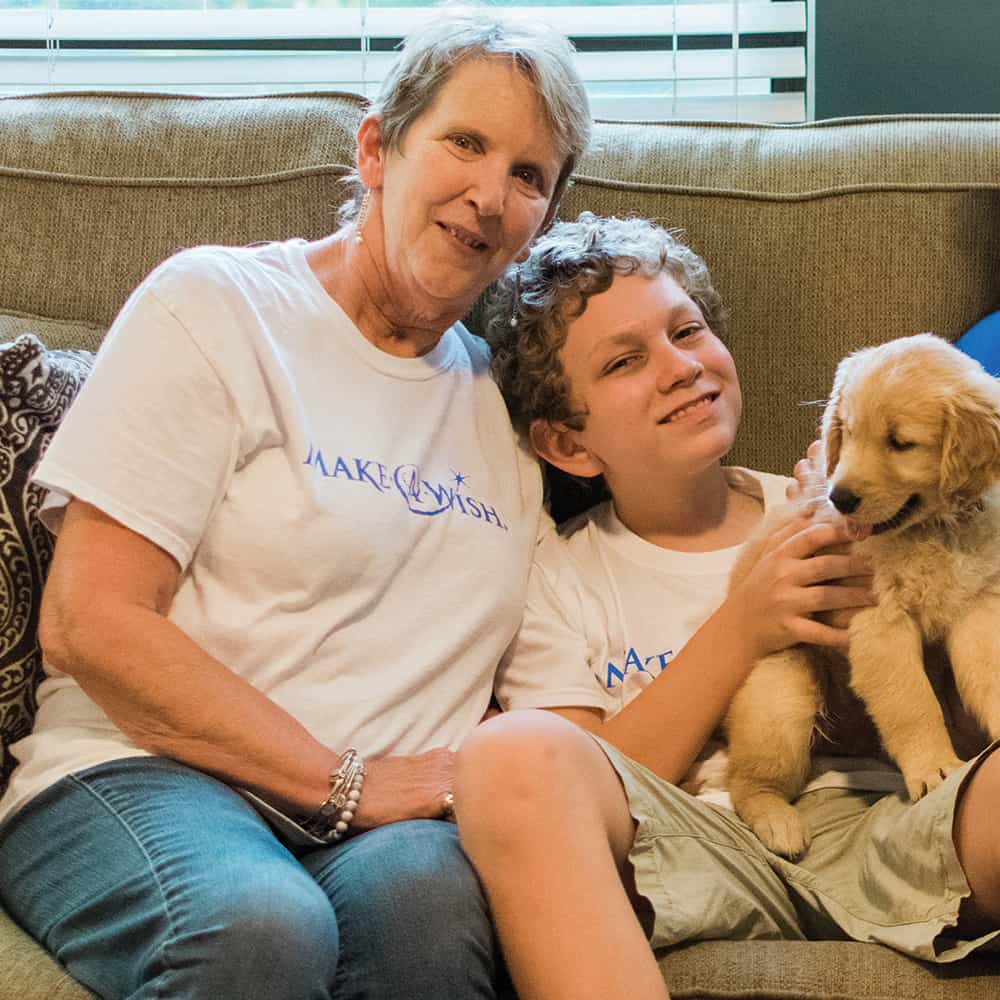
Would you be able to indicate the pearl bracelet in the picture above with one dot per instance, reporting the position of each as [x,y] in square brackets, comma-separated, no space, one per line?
[333,818]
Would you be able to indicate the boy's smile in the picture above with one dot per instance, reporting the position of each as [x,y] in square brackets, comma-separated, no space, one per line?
[659,389]
[690,409]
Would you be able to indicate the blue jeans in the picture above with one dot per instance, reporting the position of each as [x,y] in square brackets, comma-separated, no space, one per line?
[145,878]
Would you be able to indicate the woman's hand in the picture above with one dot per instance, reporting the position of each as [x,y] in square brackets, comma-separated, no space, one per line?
[401,788]
[794,580]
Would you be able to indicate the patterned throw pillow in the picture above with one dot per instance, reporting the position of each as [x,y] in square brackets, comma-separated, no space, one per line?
[36,389]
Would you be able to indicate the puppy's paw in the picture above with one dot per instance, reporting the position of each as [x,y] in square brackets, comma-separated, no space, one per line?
[707,774]
[785,833]
[924,777]
[778,825]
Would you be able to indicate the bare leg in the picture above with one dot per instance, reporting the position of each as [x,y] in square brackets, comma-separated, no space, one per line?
[545,821]
[979,848]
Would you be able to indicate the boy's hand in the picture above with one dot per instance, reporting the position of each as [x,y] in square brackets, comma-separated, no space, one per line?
[794,580]
[810,484]
[811,489]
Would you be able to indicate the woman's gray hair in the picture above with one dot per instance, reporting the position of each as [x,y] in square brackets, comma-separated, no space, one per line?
[432,53]
[529,312]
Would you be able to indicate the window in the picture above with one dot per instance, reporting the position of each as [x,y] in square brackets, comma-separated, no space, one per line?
[668,59]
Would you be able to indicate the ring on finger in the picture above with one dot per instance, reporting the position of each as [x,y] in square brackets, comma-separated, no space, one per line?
[448,807]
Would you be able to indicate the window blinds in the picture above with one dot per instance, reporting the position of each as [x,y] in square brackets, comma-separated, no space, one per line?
[672,59]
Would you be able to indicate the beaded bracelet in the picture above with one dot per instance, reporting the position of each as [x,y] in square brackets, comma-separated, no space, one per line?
[333,818]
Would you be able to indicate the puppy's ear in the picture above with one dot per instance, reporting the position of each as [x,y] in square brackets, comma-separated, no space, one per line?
[970,453]
[832,428]
[560,445]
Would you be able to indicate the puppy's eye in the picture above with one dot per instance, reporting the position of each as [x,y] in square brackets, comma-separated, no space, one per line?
[897,444]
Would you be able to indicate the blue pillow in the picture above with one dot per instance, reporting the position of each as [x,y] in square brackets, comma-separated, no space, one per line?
[982,342]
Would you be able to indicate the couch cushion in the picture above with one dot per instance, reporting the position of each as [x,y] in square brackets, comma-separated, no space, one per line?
[59,334]
[709,970]
[96,189]
[36,388]
[820,970]
[822,238]
[28,973]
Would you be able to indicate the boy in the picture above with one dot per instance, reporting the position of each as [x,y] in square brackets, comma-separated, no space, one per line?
[613,366]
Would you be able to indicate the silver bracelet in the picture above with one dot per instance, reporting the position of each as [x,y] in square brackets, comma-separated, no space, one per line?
[333,818]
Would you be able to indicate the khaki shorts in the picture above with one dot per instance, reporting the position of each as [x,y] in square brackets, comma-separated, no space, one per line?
[879,868]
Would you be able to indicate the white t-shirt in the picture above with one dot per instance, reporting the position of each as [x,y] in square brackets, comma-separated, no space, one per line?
[607,612]
[354,530]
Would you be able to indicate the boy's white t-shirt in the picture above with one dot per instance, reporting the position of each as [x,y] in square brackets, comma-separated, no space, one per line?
[354,530]
[607,612]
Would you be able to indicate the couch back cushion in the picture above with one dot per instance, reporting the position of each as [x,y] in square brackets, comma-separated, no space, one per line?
[822,238]
[95,190]
[60,334]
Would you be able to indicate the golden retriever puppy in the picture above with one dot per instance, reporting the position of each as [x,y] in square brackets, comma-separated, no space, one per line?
[912,439]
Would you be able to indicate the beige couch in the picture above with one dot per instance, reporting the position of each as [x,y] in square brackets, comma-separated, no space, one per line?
[822,238]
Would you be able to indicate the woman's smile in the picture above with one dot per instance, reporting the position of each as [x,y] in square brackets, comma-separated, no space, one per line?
[465,238]
[467,190]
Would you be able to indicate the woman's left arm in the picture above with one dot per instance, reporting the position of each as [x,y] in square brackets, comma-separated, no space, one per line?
[104,621]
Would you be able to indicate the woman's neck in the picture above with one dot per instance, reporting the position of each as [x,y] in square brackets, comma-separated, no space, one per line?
[700,513]
[350,272]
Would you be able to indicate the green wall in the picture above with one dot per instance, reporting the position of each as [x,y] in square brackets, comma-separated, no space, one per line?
[907,57]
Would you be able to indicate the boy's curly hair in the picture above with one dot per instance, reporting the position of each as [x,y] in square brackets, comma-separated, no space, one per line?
[570,263]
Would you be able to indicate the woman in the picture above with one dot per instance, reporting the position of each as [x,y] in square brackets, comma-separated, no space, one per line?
[287,463]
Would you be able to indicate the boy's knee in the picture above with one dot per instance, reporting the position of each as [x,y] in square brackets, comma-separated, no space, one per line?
[517,764]
[978,847]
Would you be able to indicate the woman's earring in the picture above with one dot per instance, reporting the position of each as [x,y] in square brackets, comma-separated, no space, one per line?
[364,210]
[517,296]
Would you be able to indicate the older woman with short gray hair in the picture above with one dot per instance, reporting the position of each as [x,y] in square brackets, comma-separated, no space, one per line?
[294,530]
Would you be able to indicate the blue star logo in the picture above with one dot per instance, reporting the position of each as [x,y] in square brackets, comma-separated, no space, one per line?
[459,479]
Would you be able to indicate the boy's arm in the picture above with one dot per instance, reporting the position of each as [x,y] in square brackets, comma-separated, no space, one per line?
[666,726]
[554,659]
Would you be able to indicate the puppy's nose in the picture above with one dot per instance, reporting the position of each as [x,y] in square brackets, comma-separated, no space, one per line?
[844,500]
